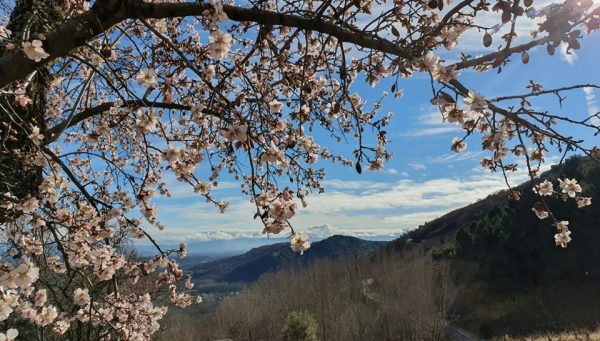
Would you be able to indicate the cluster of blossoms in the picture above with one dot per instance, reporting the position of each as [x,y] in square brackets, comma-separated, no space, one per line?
[569,189]
[117,312]
[277,210]
[440,73]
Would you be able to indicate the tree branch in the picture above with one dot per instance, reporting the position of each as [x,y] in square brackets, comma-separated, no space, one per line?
[54,132]
[105,14]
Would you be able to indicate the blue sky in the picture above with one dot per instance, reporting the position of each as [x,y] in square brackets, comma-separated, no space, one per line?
[424,179]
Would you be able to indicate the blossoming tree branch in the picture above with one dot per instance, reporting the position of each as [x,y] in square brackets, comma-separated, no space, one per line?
[100,102]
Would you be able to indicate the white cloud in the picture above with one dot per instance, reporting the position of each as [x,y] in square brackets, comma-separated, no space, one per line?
[568,56]
[328,230]
[430,124]
[352,185]
[183,190]
[429,131]
[417,166]
[592,104]
[433,118]
[315,232]
[453,157]
[359,208]
[410,195]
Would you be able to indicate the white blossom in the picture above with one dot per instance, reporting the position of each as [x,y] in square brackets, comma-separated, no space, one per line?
[34,50]
[147,78]
[10,335]
[545,188]
[300,243]
[220,43]
[570,187]
[81,297]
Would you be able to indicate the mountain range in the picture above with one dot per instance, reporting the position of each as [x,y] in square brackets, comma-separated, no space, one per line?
[249,266]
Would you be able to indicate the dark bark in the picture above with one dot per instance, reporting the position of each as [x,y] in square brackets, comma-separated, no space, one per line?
[18,176]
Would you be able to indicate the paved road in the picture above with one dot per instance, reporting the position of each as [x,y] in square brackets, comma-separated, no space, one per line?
[458,334]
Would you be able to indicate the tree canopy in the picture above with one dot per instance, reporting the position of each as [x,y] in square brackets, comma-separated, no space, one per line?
[99,100]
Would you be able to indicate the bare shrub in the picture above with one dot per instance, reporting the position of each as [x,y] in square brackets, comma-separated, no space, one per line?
[388,297]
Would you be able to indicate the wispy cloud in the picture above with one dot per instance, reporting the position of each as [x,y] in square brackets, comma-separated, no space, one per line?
[316,232]
[430,124]
[363,186]
[592,104]
[568,56]
[359,208]
[417,166]
[453,157]
[429,131]
[183,190]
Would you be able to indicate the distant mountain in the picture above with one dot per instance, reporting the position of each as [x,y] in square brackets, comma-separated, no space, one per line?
[216,248]
[250,265]
[510,245]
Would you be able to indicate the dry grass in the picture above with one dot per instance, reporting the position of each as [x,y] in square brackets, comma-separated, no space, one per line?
[567,336]
[396,297]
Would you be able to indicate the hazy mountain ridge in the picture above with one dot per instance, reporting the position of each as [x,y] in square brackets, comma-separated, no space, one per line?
[249,266]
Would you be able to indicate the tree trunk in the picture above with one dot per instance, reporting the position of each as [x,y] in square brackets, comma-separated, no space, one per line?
[18,176]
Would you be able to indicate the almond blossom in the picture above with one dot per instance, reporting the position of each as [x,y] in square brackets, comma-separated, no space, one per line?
[540,213]
[81,297]
[583,202]
[458,145]
[147,78]
[6,303]
[35,135]
[475,101]
[562,225]
[300,243]
[41,297]
[545,188]
[34,50]
[11,335]
[220,43]
[570,187]
[4,33]
[22,98]
[273,154]
[275,106]
[562,238]
[47,315]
